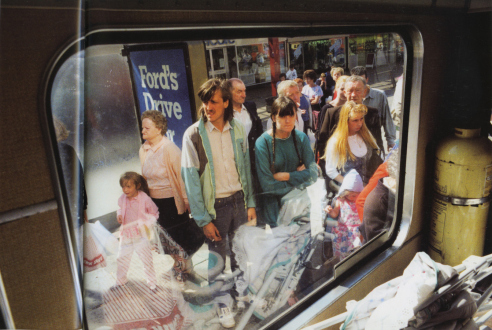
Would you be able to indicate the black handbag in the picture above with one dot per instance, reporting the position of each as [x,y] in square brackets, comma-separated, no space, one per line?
[187,234]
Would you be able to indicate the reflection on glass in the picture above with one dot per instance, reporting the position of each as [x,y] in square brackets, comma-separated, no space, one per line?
[254,62]
[293,248]
[68,119]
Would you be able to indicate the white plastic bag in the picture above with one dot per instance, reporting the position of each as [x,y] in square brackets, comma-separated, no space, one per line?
[311,136]
[155,242]
[102,237]
[94,256]
[391,305]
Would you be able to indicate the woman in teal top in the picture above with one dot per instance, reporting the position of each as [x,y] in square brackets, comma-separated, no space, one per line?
[284,162]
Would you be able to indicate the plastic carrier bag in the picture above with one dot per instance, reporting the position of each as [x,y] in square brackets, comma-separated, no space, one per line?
[103,237]
[391,305]
[98,243]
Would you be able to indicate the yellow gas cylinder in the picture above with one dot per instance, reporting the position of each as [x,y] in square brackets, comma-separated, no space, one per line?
[462,184]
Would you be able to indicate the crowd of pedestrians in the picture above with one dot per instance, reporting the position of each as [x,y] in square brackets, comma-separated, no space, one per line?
[230,172]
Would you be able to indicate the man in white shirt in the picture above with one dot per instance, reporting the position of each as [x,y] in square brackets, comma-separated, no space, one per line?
[217,176]
[247,113]
[291,74]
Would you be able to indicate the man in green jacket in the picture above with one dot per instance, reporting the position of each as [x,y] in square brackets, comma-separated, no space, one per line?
[216,171]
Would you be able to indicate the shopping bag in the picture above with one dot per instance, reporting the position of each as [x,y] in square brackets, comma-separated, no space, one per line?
[145,231]
[182,260]
[312,137]
[102,237]
[94,256]
[155,242]
[294,205]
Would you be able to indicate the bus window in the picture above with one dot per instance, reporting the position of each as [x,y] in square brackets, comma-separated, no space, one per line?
[96,103]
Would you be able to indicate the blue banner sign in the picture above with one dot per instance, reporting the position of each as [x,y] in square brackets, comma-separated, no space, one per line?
[161,83]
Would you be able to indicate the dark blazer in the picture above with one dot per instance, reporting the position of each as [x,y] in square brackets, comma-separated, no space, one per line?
[255,133]
[330,123]
[256,129]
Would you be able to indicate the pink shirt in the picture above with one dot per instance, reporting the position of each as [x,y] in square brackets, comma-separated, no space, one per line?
[161,166]
[155,171]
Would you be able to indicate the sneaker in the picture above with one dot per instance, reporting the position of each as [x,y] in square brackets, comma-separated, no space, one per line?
[241,301]
[225,316]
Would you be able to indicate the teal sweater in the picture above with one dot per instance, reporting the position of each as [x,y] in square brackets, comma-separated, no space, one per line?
[286,160]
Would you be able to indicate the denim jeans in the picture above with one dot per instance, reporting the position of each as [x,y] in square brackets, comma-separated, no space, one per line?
[230,214]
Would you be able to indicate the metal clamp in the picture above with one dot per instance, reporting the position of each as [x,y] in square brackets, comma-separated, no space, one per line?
[462,201]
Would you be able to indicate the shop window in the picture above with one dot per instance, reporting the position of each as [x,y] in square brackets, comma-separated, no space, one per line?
[94,97]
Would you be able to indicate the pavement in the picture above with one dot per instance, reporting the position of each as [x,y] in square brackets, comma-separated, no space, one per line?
[136,306]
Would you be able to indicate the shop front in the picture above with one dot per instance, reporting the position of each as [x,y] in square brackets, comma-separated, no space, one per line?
[318,54]
[246,59]
[252,60]
[375,50]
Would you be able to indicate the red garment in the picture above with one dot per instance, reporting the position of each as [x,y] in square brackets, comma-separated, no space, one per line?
[381,172]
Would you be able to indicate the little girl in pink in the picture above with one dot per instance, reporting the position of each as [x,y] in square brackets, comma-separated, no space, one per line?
[347,234]
[137,214]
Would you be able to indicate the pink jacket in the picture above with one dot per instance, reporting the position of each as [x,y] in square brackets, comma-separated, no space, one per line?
[147,210]
[172,160]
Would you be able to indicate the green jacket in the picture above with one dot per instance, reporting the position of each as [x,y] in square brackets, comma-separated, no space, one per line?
[197,169]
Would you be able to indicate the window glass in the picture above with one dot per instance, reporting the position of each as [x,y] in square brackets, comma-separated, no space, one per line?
[254,63]
[145,260]
[67,101]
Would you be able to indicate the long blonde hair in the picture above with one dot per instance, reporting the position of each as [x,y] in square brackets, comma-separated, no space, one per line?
[341,150]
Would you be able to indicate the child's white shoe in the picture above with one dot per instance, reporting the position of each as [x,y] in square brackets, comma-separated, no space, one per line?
[225,316]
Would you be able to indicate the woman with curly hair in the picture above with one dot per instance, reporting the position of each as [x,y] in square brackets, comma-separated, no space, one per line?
[161,167]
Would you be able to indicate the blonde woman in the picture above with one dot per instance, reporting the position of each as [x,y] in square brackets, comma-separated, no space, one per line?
[336,73]
[328,111]
[351,146]
[340,98]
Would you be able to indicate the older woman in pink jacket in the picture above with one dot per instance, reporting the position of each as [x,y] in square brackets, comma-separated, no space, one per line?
[161,167]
